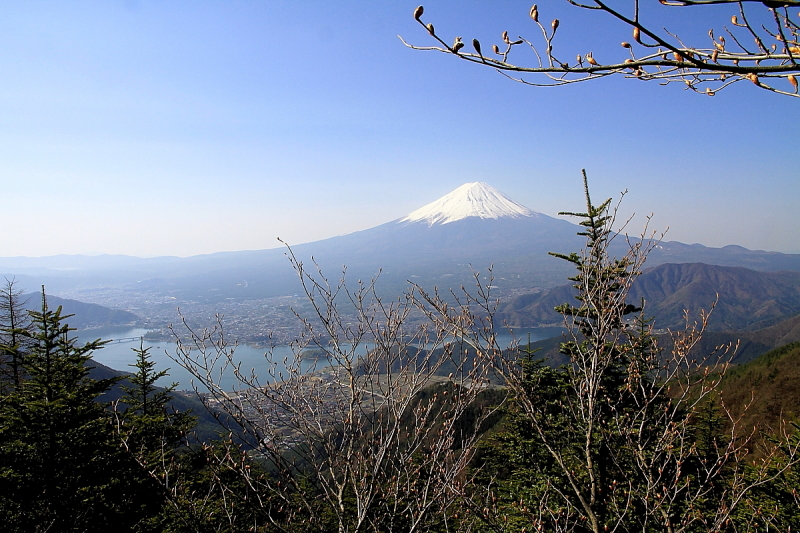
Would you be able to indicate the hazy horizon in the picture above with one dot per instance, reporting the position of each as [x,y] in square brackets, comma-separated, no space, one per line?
[279,244]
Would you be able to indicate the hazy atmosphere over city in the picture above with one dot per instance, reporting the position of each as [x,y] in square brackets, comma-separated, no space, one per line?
[175,128]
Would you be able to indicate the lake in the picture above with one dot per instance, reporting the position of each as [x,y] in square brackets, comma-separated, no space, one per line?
[118,354]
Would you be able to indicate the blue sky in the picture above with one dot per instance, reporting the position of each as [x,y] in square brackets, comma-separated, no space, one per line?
[178,128]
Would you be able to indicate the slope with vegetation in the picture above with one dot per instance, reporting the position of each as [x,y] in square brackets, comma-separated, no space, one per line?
[742,346]
[769,388]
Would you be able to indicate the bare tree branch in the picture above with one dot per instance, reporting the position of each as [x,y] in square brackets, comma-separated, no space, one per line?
[377,433]
[666,58]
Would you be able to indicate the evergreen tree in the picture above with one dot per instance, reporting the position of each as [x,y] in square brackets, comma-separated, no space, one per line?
[143,397]
[14,335]
[514,460]
[150,425]
[774,506]
[61,467]
[152,433]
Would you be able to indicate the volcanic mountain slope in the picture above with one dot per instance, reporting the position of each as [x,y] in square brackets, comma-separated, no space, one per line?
[747,299]
[442,243]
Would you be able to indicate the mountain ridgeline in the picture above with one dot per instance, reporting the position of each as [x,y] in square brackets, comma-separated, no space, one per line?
[441,244]
[741,298]
[84,315]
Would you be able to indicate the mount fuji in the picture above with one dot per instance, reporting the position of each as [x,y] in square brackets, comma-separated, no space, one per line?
[440,244]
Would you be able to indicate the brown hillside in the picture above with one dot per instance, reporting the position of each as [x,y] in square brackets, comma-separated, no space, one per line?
[770,384]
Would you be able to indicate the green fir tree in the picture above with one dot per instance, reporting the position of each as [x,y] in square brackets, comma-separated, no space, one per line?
[61,467]
[15,338]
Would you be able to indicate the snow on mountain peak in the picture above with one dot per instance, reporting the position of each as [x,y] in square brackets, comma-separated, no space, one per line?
[476,199]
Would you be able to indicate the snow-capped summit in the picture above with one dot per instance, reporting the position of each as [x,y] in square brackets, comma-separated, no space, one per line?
[476,199]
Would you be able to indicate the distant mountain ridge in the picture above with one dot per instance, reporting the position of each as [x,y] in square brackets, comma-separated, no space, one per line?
[747,299]
[441,244]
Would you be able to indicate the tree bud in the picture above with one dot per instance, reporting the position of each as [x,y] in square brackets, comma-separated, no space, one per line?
[709,92]
[535,13]
[734,20]
[637,35]
[625,44]
[752,77]
[430,29]
[590,59]
[418,12]
[457,45]
[714,56]
[495,49]
[554,25]
[477,46]
[505,38]
[793,81]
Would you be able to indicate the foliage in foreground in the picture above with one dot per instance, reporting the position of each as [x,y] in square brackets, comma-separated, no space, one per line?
[626,437]
[60,463]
